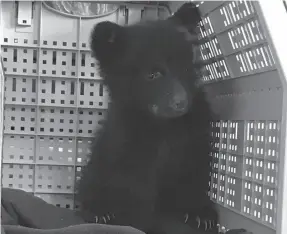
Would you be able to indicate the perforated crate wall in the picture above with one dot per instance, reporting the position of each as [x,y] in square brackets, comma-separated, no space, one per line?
[54,97]
[241,79]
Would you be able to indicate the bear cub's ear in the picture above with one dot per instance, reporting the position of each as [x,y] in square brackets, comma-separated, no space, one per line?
[106,42]
[188,15]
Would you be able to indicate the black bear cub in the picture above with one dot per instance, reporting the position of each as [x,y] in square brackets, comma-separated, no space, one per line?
[150,164]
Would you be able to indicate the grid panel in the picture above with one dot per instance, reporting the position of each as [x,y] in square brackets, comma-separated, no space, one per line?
[236,43]
[19,119]
[18,176]
[54,179]
[59,200]
[20,61]
[54,100]
[55,150]
[245,176]
[55,92]
[47,117]
[58,63]
[84,150]
[246,160]
[20,90]
[57,121]
[19,148]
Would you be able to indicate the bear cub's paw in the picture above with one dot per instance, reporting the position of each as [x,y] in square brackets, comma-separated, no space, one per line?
[205,219]
[104,219]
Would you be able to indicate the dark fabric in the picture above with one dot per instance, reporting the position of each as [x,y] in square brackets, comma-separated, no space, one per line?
[23,213]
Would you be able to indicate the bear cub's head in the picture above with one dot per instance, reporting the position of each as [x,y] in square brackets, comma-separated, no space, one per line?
[148,67]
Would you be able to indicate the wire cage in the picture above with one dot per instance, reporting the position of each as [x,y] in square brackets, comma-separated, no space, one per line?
[53,101]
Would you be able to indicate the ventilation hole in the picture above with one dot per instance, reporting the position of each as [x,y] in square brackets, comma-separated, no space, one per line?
[14,55]
[73,59]
[54,58]
[14,84]
[83,61]
[101,90]
[34,56]
[82,88]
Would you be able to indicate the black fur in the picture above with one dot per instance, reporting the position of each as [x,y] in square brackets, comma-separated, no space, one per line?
[147,167]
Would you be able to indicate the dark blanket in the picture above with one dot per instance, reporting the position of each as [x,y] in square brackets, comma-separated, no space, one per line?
[23,213]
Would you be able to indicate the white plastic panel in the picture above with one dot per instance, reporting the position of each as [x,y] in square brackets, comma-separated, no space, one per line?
[19,148]
[56,150]
[245,90]
[18,176]
[63,201]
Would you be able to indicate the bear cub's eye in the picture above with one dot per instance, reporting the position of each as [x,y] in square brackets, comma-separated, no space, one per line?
[154,75]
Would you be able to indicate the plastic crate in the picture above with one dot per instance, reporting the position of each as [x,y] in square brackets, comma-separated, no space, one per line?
[54,101]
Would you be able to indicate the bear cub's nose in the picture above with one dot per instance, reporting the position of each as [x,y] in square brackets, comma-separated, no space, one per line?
[179,105]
